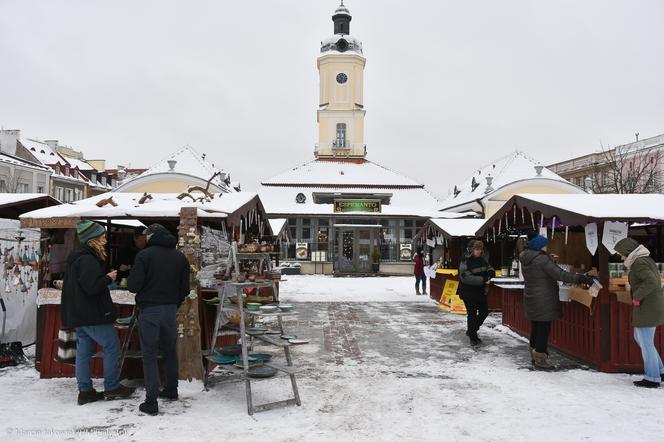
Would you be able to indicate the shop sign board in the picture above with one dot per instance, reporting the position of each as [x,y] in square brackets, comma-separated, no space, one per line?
[406,252]
[347,205]
[302,250]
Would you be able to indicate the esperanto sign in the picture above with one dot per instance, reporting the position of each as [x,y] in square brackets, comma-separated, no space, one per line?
[342,206]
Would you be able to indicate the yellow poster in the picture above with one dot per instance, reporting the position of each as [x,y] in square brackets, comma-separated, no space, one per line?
[449,300]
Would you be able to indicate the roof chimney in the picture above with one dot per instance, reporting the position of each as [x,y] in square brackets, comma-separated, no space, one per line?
[8,140]
[538,169]
[122,174]
[489,180]
[171,165]
[53,144]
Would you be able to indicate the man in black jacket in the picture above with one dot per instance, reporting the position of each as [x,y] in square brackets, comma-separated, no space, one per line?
[474,273]
[160,279]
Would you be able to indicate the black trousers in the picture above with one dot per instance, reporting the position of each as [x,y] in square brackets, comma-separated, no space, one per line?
[157,330]
[477,309]
[539,335]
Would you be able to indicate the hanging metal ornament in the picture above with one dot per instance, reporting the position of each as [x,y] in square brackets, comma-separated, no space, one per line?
[532,220]
[566,233]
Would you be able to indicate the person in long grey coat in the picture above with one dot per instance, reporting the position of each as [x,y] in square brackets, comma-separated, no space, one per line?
[647,306]
[541,299]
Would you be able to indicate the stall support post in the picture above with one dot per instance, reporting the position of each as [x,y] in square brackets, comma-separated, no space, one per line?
[604,304]
[190,356]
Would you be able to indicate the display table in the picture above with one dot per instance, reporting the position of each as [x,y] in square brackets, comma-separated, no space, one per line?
[48,301]
[437,284]
[601,336]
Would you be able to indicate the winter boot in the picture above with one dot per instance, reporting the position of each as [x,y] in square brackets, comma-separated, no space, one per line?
[532,358]
[417,291]
[119,392]
[646,383]
[151,408]
[85,397]
[169,394]
[424,292]
[542,361]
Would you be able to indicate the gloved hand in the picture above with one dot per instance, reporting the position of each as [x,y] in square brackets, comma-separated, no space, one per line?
[585,279]
[636,303]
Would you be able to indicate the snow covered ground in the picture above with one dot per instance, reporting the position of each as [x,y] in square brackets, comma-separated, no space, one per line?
[382,365]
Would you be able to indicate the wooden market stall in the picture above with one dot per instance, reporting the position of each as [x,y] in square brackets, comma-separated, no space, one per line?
[446,241]
[205,224]
[595,330]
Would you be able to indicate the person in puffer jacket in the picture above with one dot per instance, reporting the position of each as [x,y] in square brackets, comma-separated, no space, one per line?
[647,306]
[540,296]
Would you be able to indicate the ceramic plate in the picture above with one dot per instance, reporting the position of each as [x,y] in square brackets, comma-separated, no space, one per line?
[260,357]
[230,350]
[273,332]
[287,337]
[252,364]
[222,359]
[298,341]
[262,372]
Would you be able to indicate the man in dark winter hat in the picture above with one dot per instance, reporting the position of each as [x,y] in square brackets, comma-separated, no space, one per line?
[87,305]
[160,279]
[474,274]
[647,307]
[540,295]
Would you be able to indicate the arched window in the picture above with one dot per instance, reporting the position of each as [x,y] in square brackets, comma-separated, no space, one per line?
[341,135]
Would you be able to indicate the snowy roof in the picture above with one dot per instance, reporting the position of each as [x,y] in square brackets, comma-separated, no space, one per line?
[580,209]
[42,152]
[6,158]
[340,173]
[509,169]
[162,205]
[82,165]
[15,198]
[458,227]
[188,162]
[281,200]
[328,46]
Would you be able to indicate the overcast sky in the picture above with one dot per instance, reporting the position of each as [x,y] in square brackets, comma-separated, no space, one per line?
[449,85]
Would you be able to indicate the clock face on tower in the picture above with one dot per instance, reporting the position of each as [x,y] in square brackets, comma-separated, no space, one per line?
[342,78]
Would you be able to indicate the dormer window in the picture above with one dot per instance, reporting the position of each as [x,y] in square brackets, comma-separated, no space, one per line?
[57,169]
[66,171]
[94,178]
[103,180]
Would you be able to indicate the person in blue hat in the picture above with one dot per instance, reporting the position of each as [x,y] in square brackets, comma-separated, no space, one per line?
[86,305]
[541,299]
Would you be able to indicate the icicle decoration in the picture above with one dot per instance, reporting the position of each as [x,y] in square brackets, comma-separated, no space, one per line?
[523,216]
[566,233]
[553,227]
[494,234]
[541,219]
[532,220]
[507,225]
[500,226]
[514,209]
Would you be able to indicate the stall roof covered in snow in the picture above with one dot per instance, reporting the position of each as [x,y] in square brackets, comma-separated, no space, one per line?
[579,209]
[458,227]
[341,173]
[186,162]
[509,169]
[161,205]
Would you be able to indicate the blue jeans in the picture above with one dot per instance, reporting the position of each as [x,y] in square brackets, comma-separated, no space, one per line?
[157,330]
[422,278]
[87,338]
[652,363]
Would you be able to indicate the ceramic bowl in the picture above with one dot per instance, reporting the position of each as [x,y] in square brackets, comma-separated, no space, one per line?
[285,307]
[253,306]
[268,308]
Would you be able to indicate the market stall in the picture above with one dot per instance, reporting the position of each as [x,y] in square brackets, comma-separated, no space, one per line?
[205,224]
[596,326]
[446,240]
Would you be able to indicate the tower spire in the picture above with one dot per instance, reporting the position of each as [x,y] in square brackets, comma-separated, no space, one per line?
[341,19]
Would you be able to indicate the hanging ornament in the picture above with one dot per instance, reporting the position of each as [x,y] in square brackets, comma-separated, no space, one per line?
[523,218]
[541,220]
[566,233]
[507,226]
[17,281]
[7,289]
[532,220]
[500,225]
[553,227]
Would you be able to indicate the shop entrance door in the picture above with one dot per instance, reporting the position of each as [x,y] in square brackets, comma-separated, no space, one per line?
[354,248]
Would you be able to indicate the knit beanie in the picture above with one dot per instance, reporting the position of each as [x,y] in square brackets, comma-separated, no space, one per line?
[88,230]
[537,242]
[626,246]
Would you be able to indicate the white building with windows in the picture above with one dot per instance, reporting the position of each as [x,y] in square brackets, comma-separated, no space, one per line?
[19,175]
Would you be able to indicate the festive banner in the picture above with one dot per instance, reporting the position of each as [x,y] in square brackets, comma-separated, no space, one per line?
[613,232]
[591,237]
